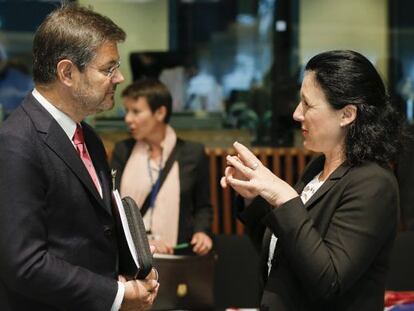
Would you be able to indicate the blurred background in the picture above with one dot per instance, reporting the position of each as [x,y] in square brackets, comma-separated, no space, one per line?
[232,64]
[234,67]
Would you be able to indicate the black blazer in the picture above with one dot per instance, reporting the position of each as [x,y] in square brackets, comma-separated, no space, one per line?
[195,206]
[332,253]
[56,241]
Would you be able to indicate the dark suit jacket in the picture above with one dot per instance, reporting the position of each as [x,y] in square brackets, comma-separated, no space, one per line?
[56,241]
[195,206]
[332,253]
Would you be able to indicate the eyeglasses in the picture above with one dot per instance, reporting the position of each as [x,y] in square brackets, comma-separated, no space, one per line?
[110,72]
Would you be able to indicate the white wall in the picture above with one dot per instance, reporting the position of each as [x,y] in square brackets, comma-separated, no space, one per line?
[146,25]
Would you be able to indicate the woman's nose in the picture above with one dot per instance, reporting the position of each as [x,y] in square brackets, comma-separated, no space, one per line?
[298,113]
[127,118]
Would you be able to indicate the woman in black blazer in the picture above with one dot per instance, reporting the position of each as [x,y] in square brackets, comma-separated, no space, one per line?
[175,203]
[328,239]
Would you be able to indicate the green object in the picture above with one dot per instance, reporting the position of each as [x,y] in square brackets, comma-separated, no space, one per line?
[182,245]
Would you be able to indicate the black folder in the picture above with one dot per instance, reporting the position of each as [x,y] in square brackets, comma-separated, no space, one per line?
[135,258]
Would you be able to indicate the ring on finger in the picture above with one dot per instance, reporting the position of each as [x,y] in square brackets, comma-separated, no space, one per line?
[255,166]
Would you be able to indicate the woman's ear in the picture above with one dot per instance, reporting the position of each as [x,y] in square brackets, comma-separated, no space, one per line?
[349,114]
[161,113]
[65,70]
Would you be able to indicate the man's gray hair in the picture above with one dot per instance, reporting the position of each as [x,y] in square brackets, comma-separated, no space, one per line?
[70,32]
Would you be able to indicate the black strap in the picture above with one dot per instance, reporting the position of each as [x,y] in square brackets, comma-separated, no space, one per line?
[164,173]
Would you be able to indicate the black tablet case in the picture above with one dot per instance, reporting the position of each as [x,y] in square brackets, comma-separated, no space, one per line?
[127,266]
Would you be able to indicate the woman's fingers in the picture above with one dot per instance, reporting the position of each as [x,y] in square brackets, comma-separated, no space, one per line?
[241,167]
[239,172]
[242,176]
[223,182]
[246,156]
[228,171]
[244,184]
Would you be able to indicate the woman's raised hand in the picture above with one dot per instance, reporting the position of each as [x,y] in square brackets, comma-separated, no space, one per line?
[250,178]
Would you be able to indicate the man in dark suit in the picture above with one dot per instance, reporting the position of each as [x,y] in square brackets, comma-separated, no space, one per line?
[58,248]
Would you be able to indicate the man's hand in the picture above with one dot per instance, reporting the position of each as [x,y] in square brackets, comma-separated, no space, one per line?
[153,275]
[139,294]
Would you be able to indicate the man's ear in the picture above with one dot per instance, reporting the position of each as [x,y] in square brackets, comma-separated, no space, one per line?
[349,114]
[65,71]
[161,113]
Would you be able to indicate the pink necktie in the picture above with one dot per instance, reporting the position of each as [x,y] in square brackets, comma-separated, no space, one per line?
[79,141]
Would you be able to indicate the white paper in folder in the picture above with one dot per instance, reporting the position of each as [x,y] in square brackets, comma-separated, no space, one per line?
[125,226]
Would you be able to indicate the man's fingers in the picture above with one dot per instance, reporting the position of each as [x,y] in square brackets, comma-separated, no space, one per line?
[122,278]
[149,285]
[153,275]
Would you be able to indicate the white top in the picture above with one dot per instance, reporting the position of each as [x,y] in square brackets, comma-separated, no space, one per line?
[306,194]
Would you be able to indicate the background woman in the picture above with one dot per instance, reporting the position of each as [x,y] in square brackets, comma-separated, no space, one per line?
[328,239]
[177,207]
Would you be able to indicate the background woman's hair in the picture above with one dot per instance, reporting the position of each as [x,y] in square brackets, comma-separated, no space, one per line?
[347,77]
[156,93]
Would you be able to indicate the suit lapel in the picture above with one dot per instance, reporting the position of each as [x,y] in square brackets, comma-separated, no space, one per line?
[328,184]
[56,139]
[264,256]
[314,168]
[60,144]
[106,191]
[311,171]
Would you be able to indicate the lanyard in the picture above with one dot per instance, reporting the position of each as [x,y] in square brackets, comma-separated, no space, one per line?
[155,188]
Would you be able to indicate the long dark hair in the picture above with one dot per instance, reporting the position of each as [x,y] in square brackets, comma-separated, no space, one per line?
[347,77]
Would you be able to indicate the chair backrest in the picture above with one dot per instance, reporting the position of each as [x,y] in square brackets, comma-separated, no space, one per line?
[237,281]
[401,272]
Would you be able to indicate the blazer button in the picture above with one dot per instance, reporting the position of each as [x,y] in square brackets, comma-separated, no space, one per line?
[107,231]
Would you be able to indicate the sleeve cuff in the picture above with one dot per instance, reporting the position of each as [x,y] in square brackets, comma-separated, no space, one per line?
[119,297]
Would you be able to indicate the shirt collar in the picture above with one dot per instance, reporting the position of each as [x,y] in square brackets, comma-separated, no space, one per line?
[65,122]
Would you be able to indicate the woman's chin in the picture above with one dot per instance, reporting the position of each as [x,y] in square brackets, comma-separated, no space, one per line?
[135,135]
[308,145]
